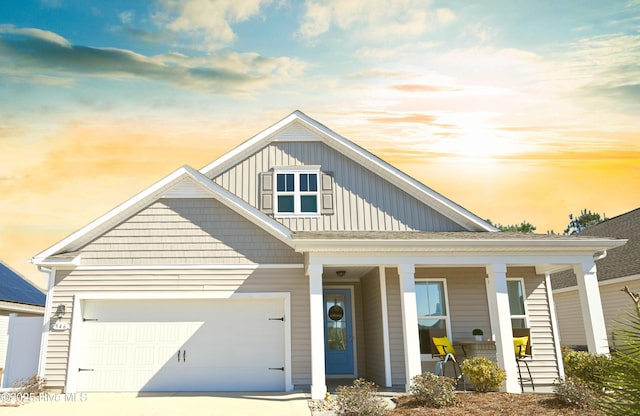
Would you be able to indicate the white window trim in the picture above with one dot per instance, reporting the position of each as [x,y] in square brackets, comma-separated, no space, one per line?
[524,301]
[296,170]
[447,321]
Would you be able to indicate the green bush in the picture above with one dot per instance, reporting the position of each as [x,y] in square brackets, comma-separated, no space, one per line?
[432,390]
[588,368]
[575,393]
[360,399]
[484,374]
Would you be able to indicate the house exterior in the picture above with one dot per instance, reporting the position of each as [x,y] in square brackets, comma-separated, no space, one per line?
[619,268]
[18,297]
[297,257]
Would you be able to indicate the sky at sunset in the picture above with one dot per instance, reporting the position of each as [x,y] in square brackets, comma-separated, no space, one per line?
[515,110]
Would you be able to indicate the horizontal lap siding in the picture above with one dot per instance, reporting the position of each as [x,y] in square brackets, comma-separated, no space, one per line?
[544,366]
[187,231]
[364,201]
[186,281]
[468,308]
[615,304]
[374,340]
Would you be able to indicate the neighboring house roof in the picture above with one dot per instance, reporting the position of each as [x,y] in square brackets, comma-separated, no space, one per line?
[14,288]
[619,262]
[356,153]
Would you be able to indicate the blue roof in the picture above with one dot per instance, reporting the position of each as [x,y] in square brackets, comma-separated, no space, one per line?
[14,288]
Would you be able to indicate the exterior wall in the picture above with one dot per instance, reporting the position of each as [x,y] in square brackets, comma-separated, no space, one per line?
[4,339]
[373,336]
[290,280]
[544,366]
[614,305]
[364,201]
[187,231]
[396,337]
[468,309]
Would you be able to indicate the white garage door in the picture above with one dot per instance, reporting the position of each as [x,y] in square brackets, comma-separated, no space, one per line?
[182,345]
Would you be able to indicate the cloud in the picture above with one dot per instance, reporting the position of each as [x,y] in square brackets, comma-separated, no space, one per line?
[46,53]
[372,19]
[209,19]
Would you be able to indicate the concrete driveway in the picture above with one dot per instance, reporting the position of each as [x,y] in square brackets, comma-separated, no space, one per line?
[159,404]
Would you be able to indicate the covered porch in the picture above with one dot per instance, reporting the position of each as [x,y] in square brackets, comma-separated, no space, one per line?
[387,298]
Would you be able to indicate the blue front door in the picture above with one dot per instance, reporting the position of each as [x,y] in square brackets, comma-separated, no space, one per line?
[338,332]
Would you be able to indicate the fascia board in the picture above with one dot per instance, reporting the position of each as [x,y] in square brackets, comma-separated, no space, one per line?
[493,246]
[149,195]
[427,195]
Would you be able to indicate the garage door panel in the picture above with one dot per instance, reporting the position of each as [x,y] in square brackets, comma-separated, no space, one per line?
[228,345]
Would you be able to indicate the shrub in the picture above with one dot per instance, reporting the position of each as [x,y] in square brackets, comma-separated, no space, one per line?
[432,390]
[574,393]
[360,399]
[484,374]
[29,388]
[589,368]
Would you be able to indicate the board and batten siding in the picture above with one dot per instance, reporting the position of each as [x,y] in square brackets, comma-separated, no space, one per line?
[363,200]
[291,280]
[187,231]
[615,304]
[373,335]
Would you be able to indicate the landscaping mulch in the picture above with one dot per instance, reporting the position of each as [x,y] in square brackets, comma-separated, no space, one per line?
[494,404]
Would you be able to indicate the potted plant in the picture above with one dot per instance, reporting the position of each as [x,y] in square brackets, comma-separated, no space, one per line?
[477,333]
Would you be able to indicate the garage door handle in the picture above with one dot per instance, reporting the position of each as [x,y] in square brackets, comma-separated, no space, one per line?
[277,368]
[85,369]
[178,355]
[184,356]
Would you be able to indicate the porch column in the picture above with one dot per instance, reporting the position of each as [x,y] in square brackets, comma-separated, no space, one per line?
[591,305]
[316,325]
[498,297]
[412,362]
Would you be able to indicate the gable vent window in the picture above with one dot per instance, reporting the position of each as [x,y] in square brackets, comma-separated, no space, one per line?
[296,193]
[300,191]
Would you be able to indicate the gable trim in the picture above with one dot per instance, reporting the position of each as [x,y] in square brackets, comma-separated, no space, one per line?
[155,192]
[428,196]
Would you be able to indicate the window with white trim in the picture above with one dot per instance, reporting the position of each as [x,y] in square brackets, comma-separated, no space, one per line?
[517,305]
[296,193]
[432,305]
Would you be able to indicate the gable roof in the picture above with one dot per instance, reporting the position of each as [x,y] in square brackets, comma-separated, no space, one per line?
[413,187]
[161,188]
[619,262]
[16,289]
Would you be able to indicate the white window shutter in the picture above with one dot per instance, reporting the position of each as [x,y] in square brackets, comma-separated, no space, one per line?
[326,193]
[266,192]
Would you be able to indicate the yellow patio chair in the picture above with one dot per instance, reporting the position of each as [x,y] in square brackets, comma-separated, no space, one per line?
[522,349]
[442,348]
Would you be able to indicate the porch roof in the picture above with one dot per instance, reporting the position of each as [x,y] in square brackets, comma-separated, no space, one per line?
[451,241]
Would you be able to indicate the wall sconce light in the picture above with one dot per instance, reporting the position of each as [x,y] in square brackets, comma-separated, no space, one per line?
[341,273]
[60,310]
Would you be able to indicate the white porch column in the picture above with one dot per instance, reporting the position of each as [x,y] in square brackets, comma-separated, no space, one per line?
[316,324]
[501,324]
[591,305]
[388,382]
[412,362]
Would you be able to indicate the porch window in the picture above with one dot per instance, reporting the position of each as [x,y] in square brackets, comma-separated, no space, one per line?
[515,288]
[296,193]
[431,299]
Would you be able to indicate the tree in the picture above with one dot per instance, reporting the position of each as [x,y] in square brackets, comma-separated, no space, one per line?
[523,227]
[586,218]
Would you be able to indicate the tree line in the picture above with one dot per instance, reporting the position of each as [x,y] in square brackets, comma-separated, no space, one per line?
[575,225]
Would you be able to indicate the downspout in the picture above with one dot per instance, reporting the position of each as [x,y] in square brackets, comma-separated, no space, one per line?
[46,322]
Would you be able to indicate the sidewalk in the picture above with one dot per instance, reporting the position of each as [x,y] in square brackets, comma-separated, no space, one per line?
[169,404]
